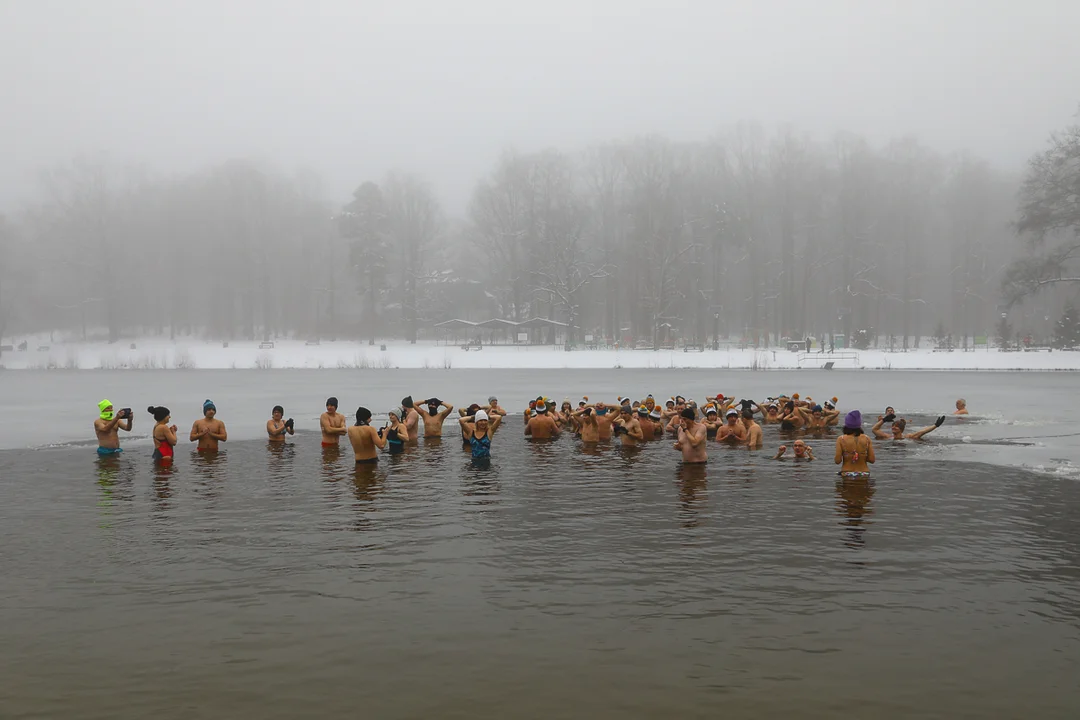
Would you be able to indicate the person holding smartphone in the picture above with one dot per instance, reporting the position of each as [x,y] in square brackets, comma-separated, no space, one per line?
[108,425]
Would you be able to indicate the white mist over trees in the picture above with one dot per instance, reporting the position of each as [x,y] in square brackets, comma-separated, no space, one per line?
[748,235]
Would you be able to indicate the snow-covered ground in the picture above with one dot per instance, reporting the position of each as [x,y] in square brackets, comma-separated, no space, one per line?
[156,353]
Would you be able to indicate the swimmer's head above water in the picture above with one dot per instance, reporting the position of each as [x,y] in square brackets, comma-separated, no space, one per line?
[331,405]
[363,416]
[161,414]
[105,409]
[480,419]
[853,423]
[209,409]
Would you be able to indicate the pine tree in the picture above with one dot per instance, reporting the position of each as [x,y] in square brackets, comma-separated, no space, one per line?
[1067,330]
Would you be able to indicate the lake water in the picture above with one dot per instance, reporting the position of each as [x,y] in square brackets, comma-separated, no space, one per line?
[283,583]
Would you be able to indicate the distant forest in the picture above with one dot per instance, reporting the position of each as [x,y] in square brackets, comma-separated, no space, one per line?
[748,236]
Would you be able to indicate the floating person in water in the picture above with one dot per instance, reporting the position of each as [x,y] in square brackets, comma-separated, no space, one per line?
[691,438]
[208,431]
[107,425]
[433,416]
[479,431]
[898,427]
[276,428]
[801,449]
[164,434]
[854,449]
[365,441]
[332,424]
[395,432]
[961,407]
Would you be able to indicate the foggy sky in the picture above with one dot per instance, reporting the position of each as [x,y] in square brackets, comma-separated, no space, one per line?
[351,89]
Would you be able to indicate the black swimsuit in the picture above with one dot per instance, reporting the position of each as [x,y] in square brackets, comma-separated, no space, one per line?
[395,444]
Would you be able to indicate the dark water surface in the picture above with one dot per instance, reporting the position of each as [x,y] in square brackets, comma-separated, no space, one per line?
[284,583]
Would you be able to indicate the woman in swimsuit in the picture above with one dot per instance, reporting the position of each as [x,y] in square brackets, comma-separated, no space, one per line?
[396,434]
[164,434]
[563,416]
[480,430]
[854,449]
[468,412]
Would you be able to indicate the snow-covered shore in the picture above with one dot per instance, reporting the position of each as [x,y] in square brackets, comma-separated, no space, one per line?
[155,353]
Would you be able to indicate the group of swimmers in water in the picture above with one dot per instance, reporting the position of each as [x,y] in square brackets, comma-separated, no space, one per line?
[720,419]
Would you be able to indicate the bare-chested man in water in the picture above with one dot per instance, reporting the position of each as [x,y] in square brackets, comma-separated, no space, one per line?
[433,416]
[332,424]
[411,419]
[753,430]
[542,425]
[648,428]
[590,430]
[208,431]
[106,426]
[691,438]
[961,407]
[732,431]
[604,418]
[628,427]
[365,440]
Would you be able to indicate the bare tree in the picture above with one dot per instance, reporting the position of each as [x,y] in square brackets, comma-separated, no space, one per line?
[413,220]
[364,221]
[1049,208]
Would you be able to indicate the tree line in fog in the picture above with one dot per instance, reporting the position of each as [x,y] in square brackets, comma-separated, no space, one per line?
[748,236]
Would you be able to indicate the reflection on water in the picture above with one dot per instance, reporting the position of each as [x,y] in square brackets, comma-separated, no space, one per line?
[692,498]
[209,470]
[853,505]
[564,580]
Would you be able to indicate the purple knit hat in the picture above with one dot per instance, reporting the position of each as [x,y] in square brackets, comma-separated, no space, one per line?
[853,420]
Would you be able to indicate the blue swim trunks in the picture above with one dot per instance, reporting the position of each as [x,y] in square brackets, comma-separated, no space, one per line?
[109,451]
